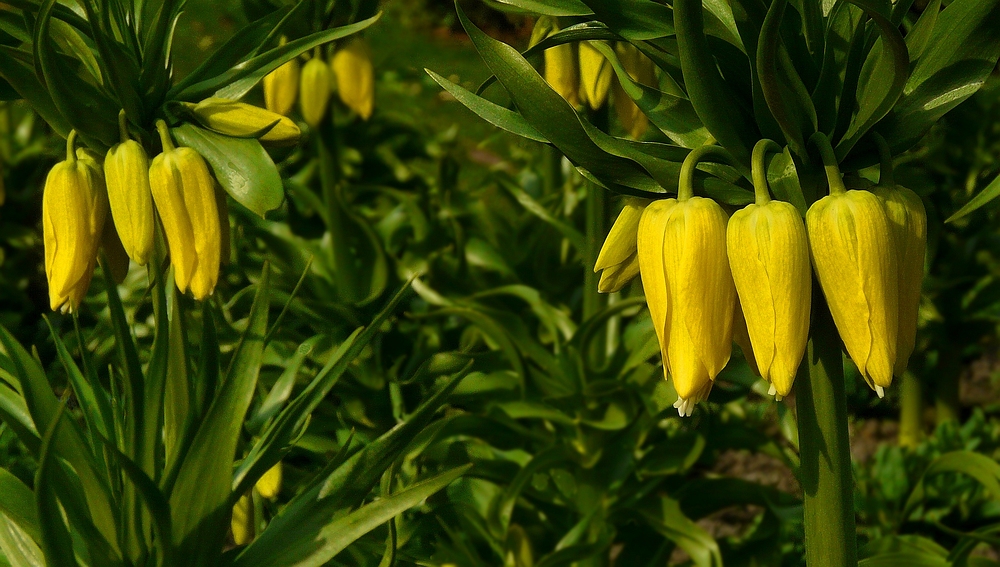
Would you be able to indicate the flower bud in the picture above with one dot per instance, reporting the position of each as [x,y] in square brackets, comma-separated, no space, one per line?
[242,521]
[641,69]
[561,71]
[355,77]
[240,119]
[269,483]
[908,223]
[281,87]
[854,257]
[769,256]
[689,290]
[184,193]
[314,90]
[618,261]
[126,172]
[595,75]
[74,205]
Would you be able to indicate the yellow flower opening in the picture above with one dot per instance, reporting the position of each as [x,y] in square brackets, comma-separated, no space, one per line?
[618,260]
[355,77]
[74,206]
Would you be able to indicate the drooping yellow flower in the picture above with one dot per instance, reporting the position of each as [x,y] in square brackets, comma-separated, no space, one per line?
[241,119]
[74,206]
[618,260]
[269,483]
[355,76]
[184,193]
[242,521]
[281,86]
[126,172]
[595,75]
[561,72]
[854,257]
[689,290]
[314,90]
[642,70]
[769,257]
[908,222]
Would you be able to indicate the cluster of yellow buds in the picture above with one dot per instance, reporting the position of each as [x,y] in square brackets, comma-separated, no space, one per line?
[81,190]
[349,71]
[710,280]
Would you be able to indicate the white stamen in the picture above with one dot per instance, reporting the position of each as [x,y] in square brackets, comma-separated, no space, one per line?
[772,390]
[880,391]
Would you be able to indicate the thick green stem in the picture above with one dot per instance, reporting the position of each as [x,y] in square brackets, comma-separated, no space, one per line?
[596,230]
[825,448]
[757,166]
[685,183]
[885,176]
[830,165]
[552,177]
[911,409]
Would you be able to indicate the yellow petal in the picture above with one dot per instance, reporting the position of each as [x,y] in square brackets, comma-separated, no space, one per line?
[199,200]
[126,171]
[242,521]
[269,483]
[618,276]
[908,222]
[355,76]
[620,243]
[167,188]
[281,87]
[595,75]
[855,262]
[561,71]
[241,119]
[649,247]
[314,91]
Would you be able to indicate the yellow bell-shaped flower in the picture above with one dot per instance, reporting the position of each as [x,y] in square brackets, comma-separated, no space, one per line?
[769,257]
[908,223]
[854,257]
[269,483]
[126,173]
[618,260]
[242,521]
[184,193]
[595,75]
[281,86]
[561,71]
[355,76]
[235,118]
[314,89]
[689,290]
[642,70]
[74,206]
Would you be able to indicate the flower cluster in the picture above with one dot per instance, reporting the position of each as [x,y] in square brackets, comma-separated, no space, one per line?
[349,71]
[709,278]
[177,184]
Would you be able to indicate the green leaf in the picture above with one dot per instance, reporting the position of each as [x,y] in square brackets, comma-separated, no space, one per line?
[338,534]
[719,108]
[664,515]
[17,504]
[18,548]
[241,165]
[94,402]
[980,467]
[198,500]
[491,112]
[291,537]
[989,193]
[18,70]
[83,105]
[240,78]
[959,56]
[551,7]
[783,179]
[904,559]
[554,118]
[883,77]
[635,19]
[55,539]
[920,34]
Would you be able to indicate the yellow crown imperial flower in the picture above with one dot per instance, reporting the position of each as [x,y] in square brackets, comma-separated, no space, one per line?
[314,89]
[908,223]
[561,71]
[618,260]
[184,193]
[595,75]
[281,86]
[235,118]
[854,257]
[126,172]
[74,206]
[641,69]
[352,69]
[242,521]
[769,257]
[269,483]
[689,290]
